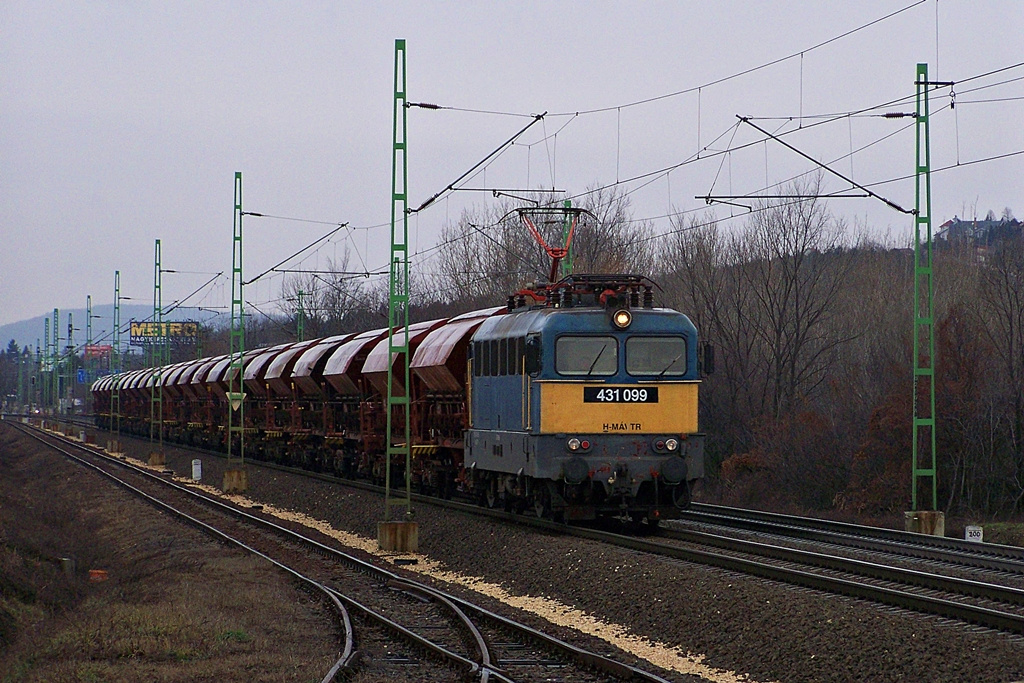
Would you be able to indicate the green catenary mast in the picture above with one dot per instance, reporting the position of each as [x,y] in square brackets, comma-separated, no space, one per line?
[924,455]
[115,362]
[86,356]
[398,444]
[55,363]
[69,369]
[44,368]
[21,382]
[566,265]
[159,355]
[236,405]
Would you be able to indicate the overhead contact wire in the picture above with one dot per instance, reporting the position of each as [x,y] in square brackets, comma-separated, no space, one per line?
[745,71]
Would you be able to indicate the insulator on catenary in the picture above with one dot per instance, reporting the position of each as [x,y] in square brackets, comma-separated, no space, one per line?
[897,115]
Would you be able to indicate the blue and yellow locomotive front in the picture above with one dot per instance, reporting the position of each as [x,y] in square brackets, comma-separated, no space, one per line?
[586,412]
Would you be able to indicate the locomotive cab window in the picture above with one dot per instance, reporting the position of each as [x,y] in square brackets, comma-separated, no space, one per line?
[586,356]
[659,356]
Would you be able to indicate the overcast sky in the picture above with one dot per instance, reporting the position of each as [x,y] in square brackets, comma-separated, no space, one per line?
[124,122]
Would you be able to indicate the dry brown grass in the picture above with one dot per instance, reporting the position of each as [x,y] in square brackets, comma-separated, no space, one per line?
[176,606]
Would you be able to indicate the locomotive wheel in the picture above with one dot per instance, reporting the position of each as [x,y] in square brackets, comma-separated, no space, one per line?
[492,497]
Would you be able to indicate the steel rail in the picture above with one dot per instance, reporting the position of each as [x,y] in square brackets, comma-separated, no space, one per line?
[484,652]
[883,572]
[473,668]
[577,654]
[982,616]
[993,555]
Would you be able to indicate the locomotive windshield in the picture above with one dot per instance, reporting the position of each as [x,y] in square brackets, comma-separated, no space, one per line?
[586,356]
[659,356]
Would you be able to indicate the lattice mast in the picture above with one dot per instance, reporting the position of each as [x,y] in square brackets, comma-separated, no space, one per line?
[923,443]
[44,367]
[115,361]
[236,407]
[156,355]
[87,356]
[69,369]
[567,226]
[21,380]
[399,445]
[55,362]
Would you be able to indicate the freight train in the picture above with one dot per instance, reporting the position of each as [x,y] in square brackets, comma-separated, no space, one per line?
[576,400]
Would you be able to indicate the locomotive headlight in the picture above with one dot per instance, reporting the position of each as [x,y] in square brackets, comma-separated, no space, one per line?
[671,444]
[622,319]
[573,444]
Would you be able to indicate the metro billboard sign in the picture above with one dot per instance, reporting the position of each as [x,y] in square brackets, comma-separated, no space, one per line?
[178,333]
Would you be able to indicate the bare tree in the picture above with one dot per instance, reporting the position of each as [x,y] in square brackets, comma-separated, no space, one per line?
[1002,307]
[798,267]
[704,281]
[334,300]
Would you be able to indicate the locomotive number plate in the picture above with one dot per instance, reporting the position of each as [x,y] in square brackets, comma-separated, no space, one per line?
[620,395]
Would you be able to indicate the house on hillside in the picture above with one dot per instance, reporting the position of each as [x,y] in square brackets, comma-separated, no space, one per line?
[984,235]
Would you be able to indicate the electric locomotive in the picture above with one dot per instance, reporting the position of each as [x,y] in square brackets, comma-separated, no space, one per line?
[584,404]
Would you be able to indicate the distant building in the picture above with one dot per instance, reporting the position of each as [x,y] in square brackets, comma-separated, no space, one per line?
[984,235]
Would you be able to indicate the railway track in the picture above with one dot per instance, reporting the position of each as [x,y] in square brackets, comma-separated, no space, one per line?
[990,556]
[907,571]
[414,625]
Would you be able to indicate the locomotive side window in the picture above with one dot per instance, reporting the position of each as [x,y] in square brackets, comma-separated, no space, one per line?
[586,356]
[477,361]
[495,355]
[659,356]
